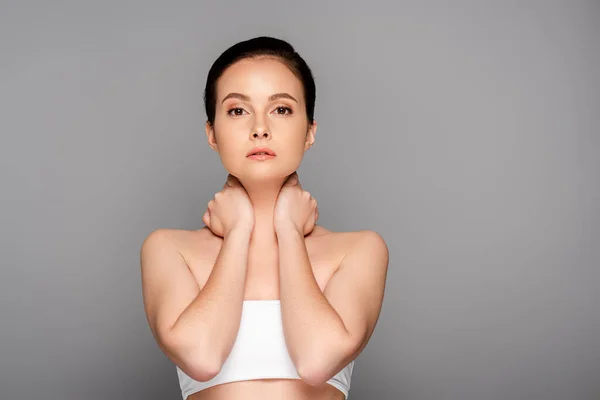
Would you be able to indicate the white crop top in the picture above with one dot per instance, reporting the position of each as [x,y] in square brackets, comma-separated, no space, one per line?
[259,352]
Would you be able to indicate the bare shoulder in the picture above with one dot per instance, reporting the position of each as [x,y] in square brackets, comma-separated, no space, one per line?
[363,240]
[191,244]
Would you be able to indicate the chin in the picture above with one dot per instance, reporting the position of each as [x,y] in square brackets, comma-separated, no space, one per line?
[249,176]
[271,173]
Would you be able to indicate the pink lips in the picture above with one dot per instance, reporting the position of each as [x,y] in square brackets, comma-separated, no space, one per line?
[261,153]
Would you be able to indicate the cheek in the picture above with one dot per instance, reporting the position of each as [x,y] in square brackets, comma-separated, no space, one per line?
[230,154]
[296,149]
[231,148]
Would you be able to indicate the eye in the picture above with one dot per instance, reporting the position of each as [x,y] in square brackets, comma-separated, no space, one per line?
[282,110]
[236,111]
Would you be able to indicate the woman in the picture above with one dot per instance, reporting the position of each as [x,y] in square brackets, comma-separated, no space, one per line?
[262,303]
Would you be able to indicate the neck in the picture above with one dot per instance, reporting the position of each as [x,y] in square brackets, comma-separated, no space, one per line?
[263,197]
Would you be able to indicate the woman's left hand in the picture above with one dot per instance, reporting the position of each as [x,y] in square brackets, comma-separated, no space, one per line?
[295,208]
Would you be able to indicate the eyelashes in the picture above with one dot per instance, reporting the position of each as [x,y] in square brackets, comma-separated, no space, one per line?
[238,111]
[235,110]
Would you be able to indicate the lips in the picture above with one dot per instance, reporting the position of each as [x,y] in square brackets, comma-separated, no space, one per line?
[260,151]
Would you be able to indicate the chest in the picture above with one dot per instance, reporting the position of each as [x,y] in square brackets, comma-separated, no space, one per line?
[263,268]
[263,272]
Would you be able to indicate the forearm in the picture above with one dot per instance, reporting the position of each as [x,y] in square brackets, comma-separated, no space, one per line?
[311,325]
[207,328]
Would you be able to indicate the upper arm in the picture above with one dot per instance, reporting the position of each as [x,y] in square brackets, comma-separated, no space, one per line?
[168,285]
[356,290]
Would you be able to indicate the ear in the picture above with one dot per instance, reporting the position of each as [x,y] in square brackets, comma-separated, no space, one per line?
[310,135]
[210,135]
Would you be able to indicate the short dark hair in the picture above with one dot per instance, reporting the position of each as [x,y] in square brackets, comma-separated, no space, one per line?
[256,47]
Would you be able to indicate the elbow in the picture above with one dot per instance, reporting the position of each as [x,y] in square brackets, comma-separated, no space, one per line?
[324,364]
[200,368]
[312,374]
[195,361]
[202,372]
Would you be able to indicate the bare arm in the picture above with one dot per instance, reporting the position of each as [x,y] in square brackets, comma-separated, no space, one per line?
[195,328]
[326,330]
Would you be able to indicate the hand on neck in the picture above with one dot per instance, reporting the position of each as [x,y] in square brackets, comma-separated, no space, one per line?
[263,196]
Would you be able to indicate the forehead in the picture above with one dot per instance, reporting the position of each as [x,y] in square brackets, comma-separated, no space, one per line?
[259,78]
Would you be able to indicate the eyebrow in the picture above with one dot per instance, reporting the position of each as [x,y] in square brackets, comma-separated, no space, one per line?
[247,98]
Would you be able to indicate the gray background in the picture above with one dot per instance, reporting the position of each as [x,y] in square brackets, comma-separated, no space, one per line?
[466,133]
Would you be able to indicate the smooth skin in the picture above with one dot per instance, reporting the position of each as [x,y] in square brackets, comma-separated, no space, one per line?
[261,242]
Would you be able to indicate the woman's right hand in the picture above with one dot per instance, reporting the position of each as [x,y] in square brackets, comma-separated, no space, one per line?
[229,209]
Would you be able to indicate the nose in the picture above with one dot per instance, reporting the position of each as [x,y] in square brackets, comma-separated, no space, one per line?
[263,134]
[260,128]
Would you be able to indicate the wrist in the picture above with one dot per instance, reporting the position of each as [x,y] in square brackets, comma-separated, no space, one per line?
[240,230]
[286,227]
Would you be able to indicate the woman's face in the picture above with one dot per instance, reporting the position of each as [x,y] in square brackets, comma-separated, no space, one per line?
[260,103]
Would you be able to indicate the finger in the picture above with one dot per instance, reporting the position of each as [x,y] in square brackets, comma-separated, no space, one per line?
[232,181]
[206,218]
[297,180]
[297,184]
[291,180]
